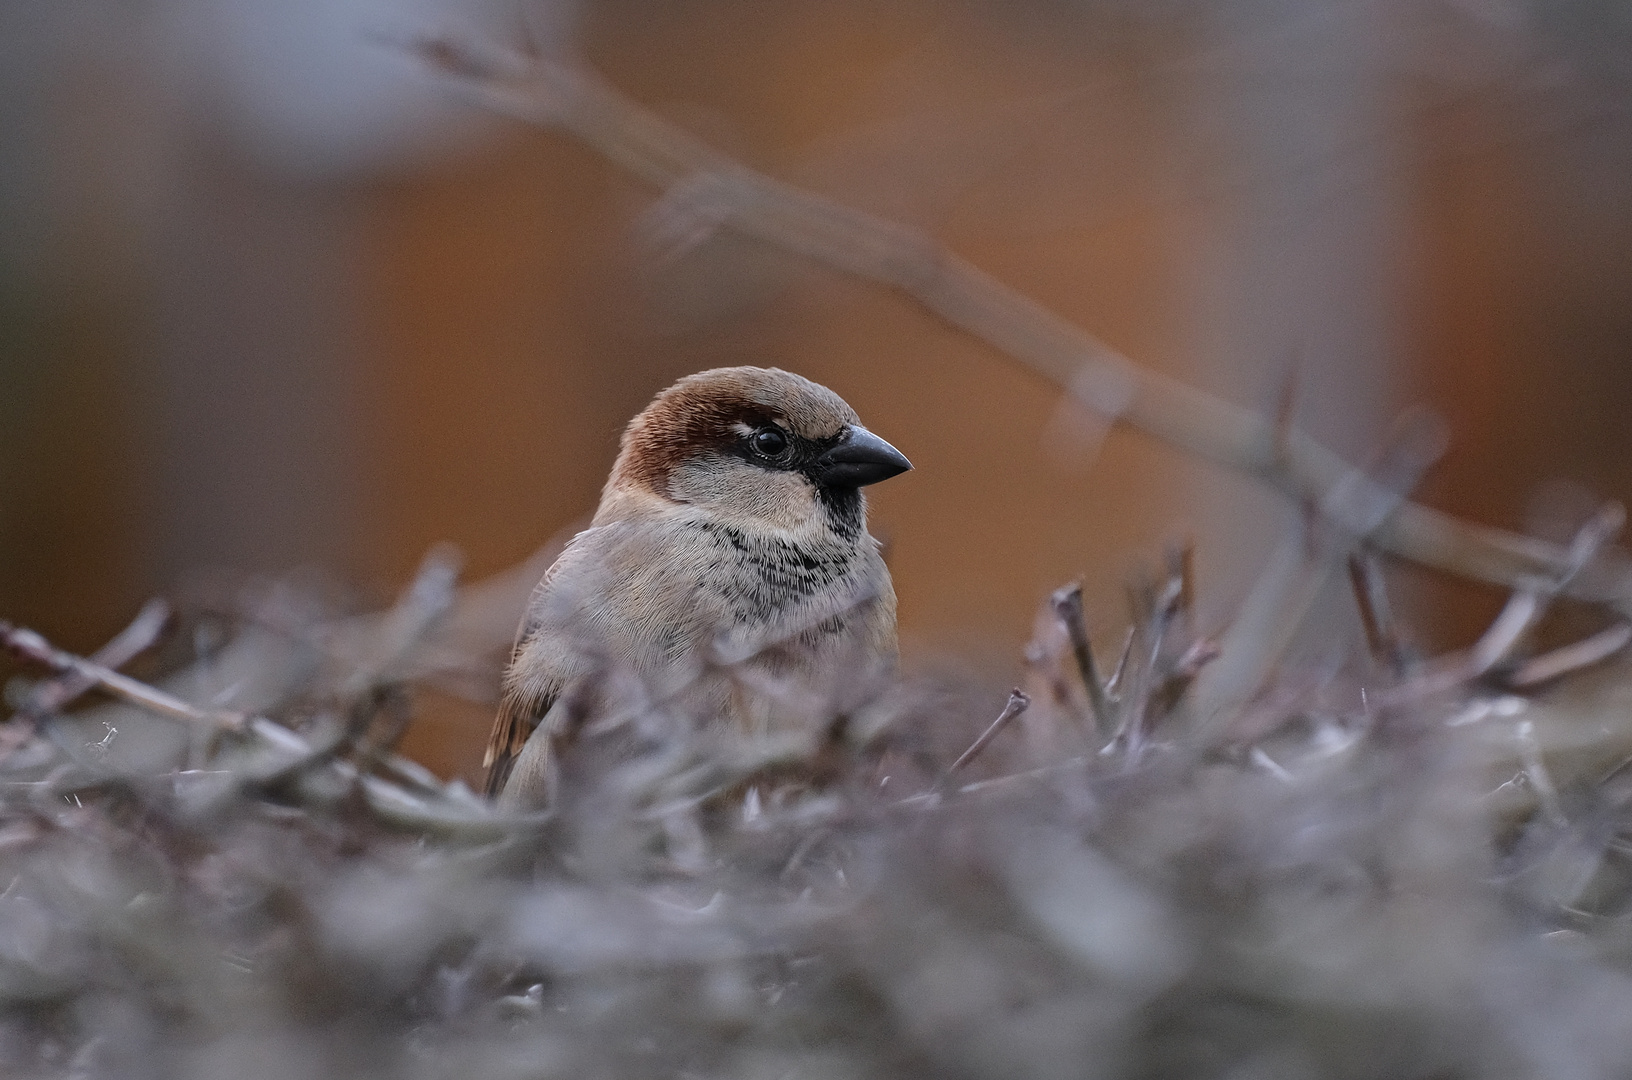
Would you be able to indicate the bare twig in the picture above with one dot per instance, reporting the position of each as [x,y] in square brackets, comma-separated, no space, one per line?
[397,635]
[1113,685]
[34,648]
[550,93]
[928,800]
[1581,654]
[1017,704]
[1149,627]
[1376,614]
[1530,601]
[1352,511]
[1181,569]
[1067,604]
[425,810]
[56,694]
[1507,631]
[1499,643]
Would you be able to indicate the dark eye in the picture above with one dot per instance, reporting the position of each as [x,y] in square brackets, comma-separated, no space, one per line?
[769,441]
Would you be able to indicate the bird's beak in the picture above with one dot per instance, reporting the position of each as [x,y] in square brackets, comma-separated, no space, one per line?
[860,458]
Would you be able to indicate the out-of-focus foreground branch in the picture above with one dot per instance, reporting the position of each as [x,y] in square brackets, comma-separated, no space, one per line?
[375,654]
[705,190]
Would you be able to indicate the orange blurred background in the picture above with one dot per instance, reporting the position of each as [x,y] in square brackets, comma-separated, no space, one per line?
[270,297]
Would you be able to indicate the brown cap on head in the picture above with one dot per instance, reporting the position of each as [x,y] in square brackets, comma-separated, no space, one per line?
[708,410]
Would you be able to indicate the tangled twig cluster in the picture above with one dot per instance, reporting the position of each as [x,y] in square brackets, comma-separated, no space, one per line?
[1406,868]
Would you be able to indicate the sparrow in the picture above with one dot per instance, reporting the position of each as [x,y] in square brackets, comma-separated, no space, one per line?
[729,555]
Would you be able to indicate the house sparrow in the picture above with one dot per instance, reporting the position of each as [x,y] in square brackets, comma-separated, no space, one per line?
[729,554]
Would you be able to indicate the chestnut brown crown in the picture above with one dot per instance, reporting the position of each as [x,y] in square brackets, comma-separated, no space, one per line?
[765,417]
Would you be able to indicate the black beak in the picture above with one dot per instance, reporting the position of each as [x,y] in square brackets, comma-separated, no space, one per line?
[860,458]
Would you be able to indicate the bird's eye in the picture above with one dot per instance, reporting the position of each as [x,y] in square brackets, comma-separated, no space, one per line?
[769,441]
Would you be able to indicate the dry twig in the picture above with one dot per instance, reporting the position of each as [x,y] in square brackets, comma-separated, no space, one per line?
[1067,605]
[55,694]
[1016,705]
[1350,514]
[30,646]
[427,809]
[1376,613]
[1570,658]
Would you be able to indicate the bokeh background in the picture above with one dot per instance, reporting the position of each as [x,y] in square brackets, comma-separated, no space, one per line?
[270,298]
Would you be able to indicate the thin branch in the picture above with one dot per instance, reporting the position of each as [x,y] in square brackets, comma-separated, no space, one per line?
[1506,632]
[1570,658]
[929,800]
[1067,604]
[429,811]
[1152,607]
[726,194]
[1269,620]
[30,646]
[1496,647]
[1017,704]
[1530,601]
[397,635]
[53,695]
[1376,614]
[1181,568]
[1113,685]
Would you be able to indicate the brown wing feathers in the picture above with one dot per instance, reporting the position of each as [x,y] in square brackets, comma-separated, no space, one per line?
[517,720]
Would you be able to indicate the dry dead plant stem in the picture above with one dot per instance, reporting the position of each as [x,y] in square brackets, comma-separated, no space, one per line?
[136,638]
[33,647]
[1348,516]
[1376,614]
[1113,685]
[1531,599]
[1573,657]
[1017,704]
[1507,633]
[704,190]
[1067,603]
[427,810]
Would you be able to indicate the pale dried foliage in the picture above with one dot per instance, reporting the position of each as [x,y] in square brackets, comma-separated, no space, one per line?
[229,874]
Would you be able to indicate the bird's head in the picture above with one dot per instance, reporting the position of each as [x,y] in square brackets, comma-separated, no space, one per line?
[757,446]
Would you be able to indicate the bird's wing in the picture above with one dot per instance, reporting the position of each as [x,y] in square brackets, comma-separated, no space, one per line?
[616,596]
[518,718]
[525,702]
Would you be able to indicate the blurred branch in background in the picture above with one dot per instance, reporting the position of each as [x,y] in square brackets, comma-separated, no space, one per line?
[704,190]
